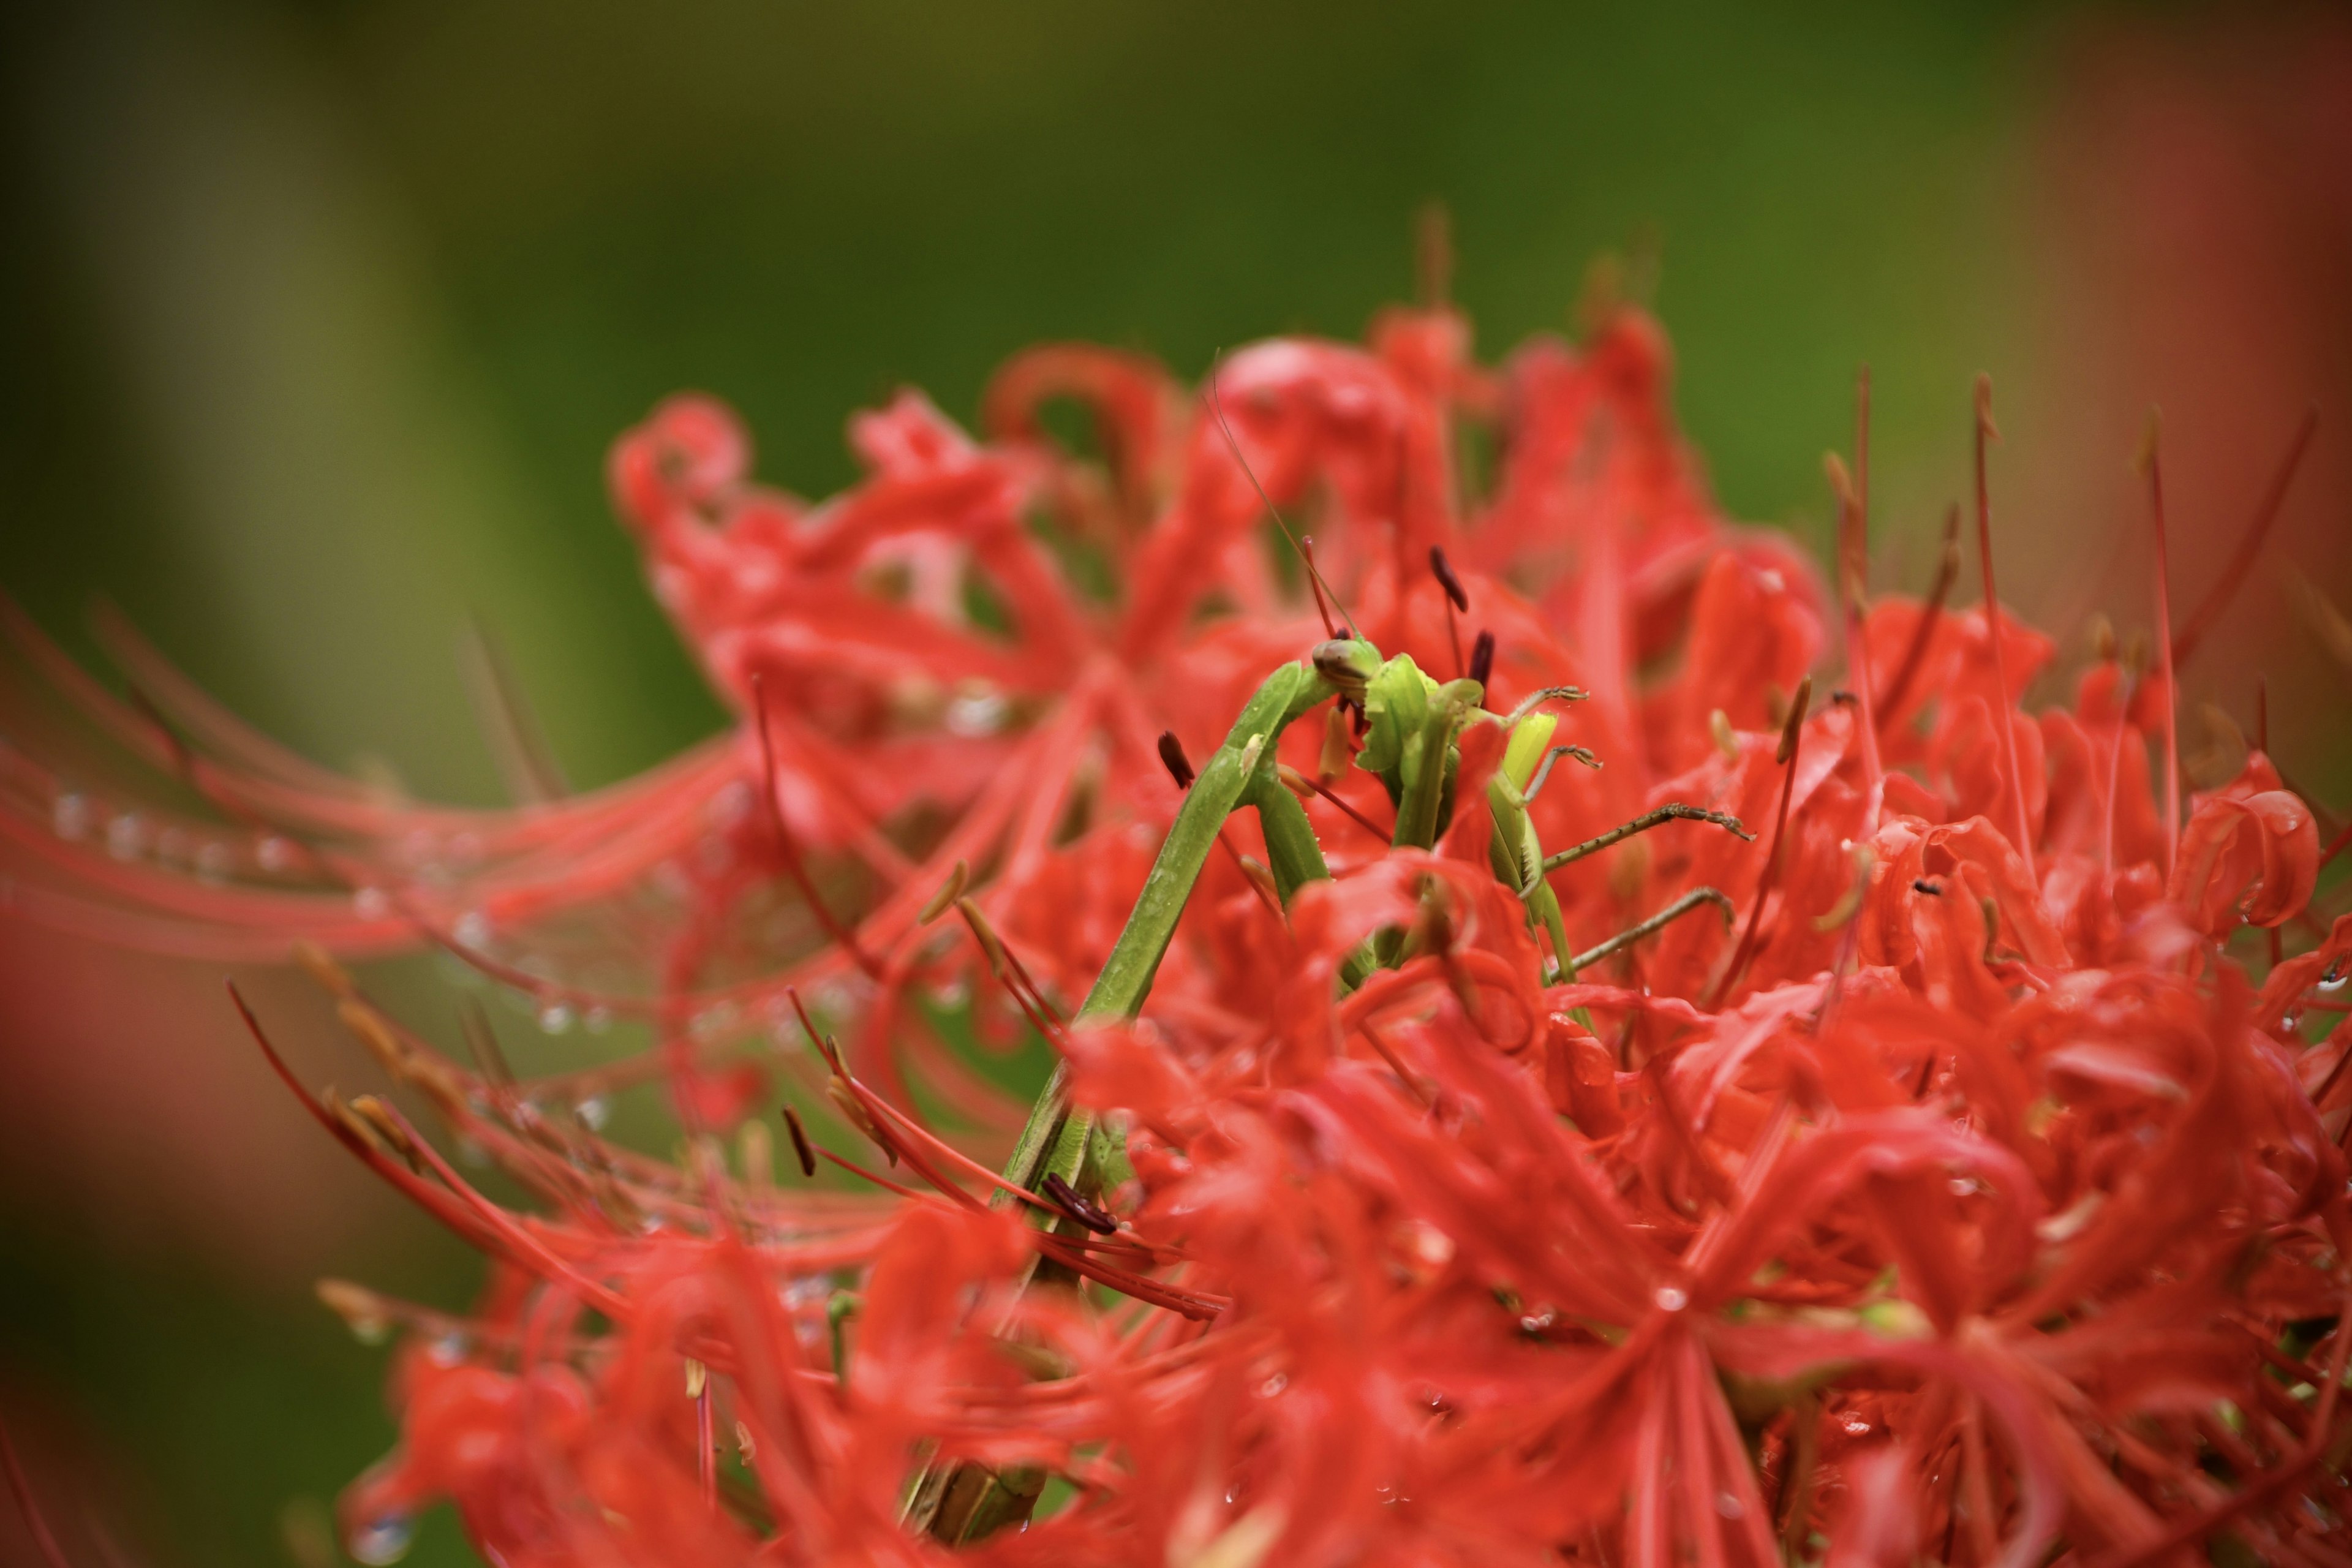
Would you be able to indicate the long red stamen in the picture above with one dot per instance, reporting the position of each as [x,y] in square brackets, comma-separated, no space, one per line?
[1455,600]
[1853,566]
[2152,456]
[706,1443]
[1300,785]
[33,1521]
[2003,716]
[790,851]
[1947,573]
[2250,543]
[1305,548]
[1314,582]
[2336,844]
[1792,733]
[1396,1065]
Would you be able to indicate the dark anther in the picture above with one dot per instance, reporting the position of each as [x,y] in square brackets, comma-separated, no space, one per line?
[1844,698]
[1921,885]
[1085,1211]
[1443,570]
[1171,755]
[1482,658]
[801,1146]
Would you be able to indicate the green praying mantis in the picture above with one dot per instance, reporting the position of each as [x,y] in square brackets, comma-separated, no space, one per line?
[1412,727]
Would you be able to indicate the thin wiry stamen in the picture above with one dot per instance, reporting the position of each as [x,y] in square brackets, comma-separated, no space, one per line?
[33,1521]
[1457,601]
[2003,714]
[1793,732]
[1301,785]
[789,851]
[1306,551]
[2249,544]
[2152,460]
[1947,573]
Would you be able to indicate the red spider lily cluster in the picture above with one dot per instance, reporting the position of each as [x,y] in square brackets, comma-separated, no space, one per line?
[1971,1195]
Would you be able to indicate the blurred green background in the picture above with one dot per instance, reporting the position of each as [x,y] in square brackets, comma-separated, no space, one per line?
[316,320]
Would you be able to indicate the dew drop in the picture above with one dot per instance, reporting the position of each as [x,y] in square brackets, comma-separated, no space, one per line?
[597,1020]
[126,835]
[448,1348]
[976,713]
[730,806]
[69,816]
[1273,1385]
[382,1540]
[1671,1299]
[372,903]
[474,930]
[274,854]
[1729,1506]
[594,1112]
[555,1018]
[215,861]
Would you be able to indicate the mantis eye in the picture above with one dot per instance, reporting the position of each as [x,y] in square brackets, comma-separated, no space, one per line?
[1348,663]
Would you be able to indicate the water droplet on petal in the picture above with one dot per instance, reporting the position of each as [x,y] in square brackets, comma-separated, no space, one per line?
[474,930]
[976,713]
[372,903]
[215,861]
[1729,1506]
[555,1018]
[1273,1385]
[274,854]
[1672,1298]
[69,816]
[126,835]
[598,1019]
[382,1540]
[592,1112]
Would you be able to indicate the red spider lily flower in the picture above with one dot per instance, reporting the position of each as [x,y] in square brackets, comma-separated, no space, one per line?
[1413,1191]
[913,657]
